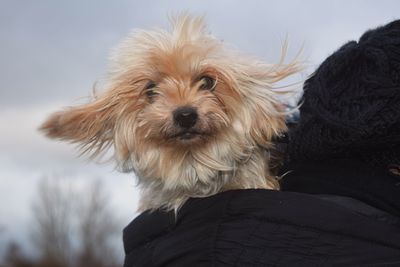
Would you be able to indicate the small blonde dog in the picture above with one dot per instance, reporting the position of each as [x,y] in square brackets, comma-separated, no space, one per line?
[190,117]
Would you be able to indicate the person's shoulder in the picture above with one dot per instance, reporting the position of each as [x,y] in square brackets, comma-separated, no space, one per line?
[249,227]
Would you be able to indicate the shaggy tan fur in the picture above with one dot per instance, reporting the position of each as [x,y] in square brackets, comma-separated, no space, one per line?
[237,117]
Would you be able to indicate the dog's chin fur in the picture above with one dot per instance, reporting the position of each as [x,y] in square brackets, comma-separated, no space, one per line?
[155,72]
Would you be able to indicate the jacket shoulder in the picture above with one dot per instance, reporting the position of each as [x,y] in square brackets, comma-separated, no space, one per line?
[259,228]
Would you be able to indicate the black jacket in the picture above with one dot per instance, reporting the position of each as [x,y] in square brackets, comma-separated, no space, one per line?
[377,187]
[263,228]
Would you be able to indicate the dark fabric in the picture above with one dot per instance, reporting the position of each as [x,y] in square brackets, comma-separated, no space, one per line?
[349,129]
[351,104]
[261,228]
[345,177]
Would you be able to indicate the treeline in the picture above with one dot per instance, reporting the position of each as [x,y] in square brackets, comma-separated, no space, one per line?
[71,226]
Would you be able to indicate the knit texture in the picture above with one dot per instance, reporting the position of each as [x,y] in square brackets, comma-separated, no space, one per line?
[351,104]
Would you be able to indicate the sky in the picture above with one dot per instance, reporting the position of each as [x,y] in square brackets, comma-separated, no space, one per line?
[52,53]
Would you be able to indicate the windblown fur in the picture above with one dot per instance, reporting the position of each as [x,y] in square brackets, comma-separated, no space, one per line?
[155,72]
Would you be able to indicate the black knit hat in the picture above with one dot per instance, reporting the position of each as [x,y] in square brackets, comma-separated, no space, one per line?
[351,104]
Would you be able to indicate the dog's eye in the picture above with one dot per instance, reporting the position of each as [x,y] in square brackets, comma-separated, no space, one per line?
[150,85]
[207,83]
[150,89]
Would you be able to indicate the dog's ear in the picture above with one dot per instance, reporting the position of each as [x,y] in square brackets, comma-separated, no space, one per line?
[267,112]
[90,125]
[266,123]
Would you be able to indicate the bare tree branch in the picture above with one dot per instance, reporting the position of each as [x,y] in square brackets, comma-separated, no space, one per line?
[74,226]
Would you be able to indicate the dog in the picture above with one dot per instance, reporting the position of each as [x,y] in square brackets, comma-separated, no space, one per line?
[188,115]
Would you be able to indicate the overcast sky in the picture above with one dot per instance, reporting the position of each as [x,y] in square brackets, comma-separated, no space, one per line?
[52,52]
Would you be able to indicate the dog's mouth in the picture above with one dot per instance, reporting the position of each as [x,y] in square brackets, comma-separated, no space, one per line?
[187,135]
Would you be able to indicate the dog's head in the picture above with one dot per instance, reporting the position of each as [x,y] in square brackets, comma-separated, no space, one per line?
[180,110]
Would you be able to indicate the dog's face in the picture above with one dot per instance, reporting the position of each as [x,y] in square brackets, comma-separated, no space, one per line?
[180,110]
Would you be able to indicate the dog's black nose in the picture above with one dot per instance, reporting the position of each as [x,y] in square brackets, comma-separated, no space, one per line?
[185,117]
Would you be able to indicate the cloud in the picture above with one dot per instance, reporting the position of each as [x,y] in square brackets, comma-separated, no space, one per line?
[54,51]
